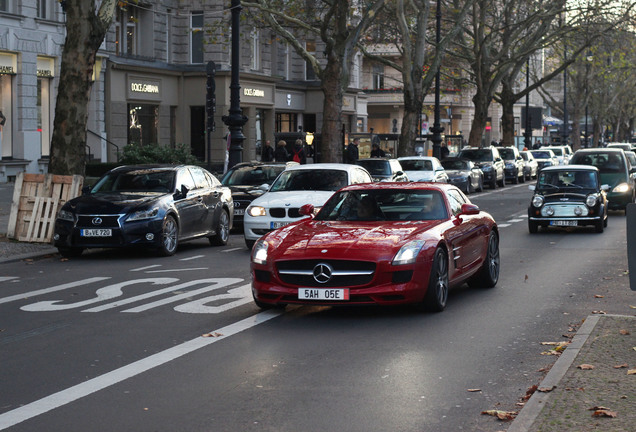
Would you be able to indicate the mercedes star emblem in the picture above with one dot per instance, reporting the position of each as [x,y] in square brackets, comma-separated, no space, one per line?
[322,273]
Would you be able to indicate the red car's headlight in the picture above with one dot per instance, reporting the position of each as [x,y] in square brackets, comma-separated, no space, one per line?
[408,253]
[259,252]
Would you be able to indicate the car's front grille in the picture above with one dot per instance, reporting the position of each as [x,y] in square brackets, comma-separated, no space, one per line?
[98,221]
[281,212]
[565,210]
[343,272]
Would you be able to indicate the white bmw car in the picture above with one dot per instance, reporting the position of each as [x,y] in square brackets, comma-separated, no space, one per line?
[423,169]
[296,186]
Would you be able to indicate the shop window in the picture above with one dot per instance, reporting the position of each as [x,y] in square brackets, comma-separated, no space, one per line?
[4,6]
[46,9]
[286,122]
[310,75]
[196,37]
[44,115]
[142,124]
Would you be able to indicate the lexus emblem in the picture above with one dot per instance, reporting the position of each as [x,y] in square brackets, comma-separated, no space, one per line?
[323,273]
[97,221]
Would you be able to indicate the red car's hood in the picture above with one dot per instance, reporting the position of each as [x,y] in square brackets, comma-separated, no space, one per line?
[346,240]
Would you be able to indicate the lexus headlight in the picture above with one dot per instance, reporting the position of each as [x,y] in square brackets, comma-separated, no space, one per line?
[408,253]
[66,215]
[590,201]
[143,214]
[256,211]
[537,200]
[621,188]
[259,253]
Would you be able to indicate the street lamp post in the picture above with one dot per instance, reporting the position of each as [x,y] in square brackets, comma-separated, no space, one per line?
[565,100]
[236,119]
[436,129]
[589,58]
[528,133]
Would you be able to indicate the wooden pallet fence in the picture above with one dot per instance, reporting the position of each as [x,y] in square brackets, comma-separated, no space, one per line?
[36,200]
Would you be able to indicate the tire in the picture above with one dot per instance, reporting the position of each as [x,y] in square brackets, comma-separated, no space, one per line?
[516,179]
[488,274]
[169,237]
[605,222]
[70,252]
[437,289]
[502,183]
[522,179]
[249,243]
[493,183]
[480,186]
[533,227]
[222,230]
[469,187]
[599,226]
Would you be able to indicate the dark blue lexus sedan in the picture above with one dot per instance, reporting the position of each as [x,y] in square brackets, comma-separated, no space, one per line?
[151,206]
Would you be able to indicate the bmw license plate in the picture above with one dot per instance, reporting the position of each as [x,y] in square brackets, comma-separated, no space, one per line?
[96,232]
[564,223]
[276,225]
[323,293]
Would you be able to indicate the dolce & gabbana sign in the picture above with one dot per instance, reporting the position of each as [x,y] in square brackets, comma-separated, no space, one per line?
[144,88]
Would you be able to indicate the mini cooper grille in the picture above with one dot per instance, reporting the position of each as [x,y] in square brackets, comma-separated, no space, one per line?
[565,210]
[89,221]
[279,212]
[345,273]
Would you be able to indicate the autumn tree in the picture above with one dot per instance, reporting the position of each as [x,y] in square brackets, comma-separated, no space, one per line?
[86,27]
[338,25]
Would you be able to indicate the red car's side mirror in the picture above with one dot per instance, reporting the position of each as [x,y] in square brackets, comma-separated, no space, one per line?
[469,209]
[306,210]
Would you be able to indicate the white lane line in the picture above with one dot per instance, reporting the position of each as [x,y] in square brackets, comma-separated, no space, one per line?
[146,268]
[56,400]
[177,270]
[503,225]
[191,258]
[231,250]
[52,289]
[514,220]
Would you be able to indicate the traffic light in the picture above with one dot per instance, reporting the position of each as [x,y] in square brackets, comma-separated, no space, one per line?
[210,98]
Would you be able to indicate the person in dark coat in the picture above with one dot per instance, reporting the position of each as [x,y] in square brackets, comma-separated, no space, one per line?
[443,151]
[298,152]
[281,154]
[377,152]
[267,154]
[352,153]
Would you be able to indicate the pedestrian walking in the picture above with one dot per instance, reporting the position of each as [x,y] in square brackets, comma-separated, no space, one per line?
[281,154]
[267,153]
[298,152]
[377,152]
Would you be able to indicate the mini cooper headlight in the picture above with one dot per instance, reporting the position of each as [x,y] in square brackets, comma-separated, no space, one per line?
[408,253]
[256,211]
[590,201]
[259,253]
[537,200]
[621,188]
[143,214]
[66,215]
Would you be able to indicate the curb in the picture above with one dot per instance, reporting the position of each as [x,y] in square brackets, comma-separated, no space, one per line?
[35,254]
[531,410]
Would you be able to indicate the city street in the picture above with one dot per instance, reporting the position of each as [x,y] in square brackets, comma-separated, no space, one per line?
[126,341]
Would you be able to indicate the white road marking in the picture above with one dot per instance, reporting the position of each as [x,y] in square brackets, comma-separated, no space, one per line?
[218,283]
[514,220]
[105,293]
[191,258]
[231,250]
[177,270]
[503,225]
[6,278]
[66,396]
[52,289]
[146,268]
[242,294]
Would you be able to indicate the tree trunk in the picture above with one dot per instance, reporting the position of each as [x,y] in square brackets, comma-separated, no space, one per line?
[508,116]
[410,122]
[331,144]
[85,33]
[478,124]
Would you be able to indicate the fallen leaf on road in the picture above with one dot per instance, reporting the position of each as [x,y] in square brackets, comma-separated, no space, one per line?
[525,279]
[215,334]
[624,332]
[599,296]
[474,390]
[631,372]
[603,412]
[632,307]
[63,259]
[546,389]
[585,366]
[599,312]
[624,365]
[501,415]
